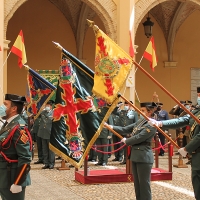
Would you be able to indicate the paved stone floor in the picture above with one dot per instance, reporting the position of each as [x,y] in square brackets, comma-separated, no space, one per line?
[60,184]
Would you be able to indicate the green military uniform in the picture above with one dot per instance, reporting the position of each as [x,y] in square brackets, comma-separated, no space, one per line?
[44,132]
[116,139]
[193,147]
[16,148]
[103,139]
[141,155]
[34,132]
[127,117]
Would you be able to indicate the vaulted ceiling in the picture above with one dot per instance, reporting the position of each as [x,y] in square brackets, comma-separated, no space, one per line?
[170,15]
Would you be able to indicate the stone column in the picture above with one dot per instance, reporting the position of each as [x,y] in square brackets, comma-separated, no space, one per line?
[125,23]
[5,57]
[1,52]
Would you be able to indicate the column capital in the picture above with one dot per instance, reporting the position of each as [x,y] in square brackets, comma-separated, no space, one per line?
[5,44]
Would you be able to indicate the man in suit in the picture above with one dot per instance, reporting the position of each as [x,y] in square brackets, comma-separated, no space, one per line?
[161,115]
[193,147]
[141,152]
[16,144]
[44,132]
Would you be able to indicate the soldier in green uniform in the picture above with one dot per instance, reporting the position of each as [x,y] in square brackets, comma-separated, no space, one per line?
[141,152]
[44,132]
[126,116]
[116,139]
[103,139]
[193,147]
[15,146]
[38,140]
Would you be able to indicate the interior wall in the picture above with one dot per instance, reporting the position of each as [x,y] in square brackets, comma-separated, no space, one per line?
[41,23]
[175,80]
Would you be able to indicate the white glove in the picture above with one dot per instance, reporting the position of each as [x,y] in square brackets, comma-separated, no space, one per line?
[183,152]
[153,122]
[15,188]
[123,140]
[166,132]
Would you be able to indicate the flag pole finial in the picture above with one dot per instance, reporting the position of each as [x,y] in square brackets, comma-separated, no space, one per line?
[26,67]
[92,24]
[58,45]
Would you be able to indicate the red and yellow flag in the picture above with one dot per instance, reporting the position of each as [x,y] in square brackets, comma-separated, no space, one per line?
[112,67]
[150,54]
[18,49]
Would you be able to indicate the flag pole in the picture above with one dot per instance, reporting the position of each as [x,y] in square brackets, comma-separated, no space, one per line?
[137,96]
[139,63]
[110,129]
[166,91]
[5,61]
[160,130]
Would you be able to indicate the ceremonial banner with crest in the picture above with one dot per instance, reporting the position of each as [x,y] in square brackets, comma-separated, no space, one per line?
[112,66]
[52,76]
[40,91]
[77,123]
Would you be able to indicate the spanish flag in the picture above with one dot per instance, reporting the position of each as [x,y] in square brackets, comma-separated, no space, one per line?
[18,49]
[112,67]
[150,54]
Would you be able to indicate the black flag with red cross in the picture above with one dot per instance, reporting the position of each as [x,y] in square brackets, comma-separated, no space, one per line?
[76,124]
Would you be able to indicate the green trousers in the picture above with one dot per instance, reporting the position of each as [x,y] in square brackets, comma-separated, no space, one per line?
[6,194]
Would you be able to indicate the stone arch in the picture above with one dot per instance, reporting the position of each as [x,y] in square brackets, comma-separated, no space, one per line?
[10,6]
[107,11]
[143,6]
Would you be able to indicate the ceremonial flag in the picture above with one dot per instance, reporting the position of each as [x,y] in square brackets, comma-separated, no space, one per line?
[18,48]
[40,91]
[112,67]
[77,122]
[150,54]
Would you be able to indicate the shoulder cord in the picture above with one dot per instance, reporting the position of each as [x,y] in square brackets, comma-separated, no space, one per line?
[138,126]
[8,139]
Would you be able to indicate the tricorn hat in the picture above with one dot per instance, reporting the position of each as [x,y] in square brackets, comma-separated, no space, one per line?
[198,89]
[148,104]
[159,104]
[15,98]
[188,102]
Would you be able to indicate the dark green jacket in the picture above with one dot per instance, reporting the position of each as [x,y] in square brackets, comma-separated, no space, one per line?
[195,140]
[18,149]
[140,150]
[44,130]
[105,132]
[36,125]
